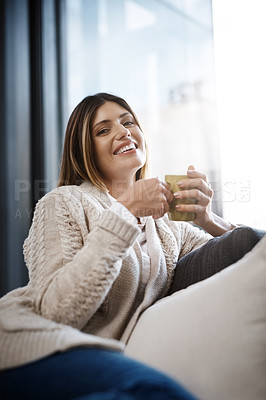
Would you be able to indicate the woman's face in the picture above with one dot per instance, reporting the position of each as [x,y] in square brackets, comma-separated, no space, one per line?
[119,144]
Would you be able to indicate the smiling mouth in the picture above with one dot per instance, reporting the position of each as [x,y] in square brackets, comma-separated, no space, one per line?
[126,148]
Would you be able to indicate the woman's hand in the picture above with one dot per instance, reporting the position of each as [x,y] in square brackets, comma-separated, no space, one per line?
[147,197]
[198,187]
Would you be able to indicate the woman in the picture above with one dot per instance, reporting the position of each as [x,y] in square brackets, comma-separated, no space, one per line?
[101,250]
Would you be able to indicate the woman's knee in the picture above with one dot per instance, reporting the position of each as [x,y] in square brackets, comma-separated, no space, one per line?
[249,236]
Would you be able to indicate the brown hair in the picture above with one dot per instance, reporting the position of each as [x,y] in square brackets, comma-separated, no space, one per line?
[78,158]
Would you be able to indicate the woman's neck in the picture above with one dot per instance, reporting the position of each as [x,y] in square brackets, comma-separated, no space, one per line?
[119,186]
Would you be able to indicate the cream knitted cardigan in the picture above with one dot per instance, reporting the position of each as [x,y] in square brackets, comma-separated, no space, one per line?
[85,268]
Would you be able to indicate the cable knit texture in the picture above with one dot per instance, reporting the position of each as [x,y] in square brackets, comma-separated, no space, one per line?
[85,267]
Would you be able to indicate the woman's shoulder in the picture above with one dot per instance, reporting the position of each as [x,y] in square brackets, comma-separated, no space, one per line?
[83,202]
[75,193]
[66,191]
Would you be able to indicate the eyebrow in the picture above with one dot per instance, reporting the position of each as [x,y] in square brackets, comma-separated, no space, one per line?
[108,120]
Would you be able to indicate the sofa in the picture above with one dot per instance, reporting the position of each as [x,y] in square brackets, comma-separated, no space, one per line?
[211,336]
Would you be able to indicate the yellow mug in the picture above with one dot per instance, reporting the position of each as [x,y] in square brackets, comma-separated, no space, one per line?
[175,215]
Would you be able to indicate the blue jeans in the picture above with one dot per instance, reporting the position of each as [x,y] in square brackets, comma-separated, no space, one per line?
[88,373]
[215,255]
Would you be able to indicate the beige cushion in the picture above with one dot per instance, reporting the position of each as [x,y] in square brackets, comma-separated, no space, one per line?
[211,337]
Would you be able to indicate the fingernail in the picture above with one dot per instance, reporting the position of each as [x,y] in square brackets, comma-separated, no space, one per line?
[177,194]
[177,207]
[181,183]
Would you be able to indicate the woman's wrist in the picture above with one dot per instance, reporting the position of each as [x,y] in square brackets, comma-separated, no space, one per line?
[217,226]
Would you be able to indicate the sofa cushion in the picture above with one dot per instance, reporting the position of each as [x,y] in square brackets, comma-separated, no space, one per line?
[211,336]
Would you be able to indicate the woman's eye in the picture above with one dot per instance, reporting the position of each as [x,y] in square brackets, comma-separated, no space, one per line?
[128,123]
[102,132]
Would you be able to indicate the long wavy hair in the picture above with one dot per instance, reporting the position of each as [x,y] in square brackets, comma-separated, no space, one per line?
[78,159]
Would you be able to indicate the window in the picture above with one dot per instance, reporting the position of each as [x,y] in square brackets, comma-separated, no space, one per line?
[240,63]
[158,55]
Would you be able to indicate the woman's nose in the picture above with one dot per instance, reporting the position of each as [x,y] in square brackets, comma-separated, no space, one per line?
[122,131]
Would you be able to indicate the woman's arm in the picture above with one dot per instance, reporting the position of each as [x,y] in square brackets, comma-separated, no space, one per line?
[216,225]
[72,273]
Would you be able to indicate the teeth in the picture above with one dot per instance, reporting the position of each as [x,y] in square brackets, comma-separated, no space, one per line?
[130,146]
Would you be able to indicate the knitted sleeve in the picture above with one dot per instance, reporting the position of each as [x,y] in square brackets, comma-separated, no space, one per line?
[72,270]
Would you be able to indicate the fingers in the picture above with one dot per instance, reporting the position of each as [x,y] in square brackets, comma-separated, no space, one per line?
[165,185]
[193,194]
[201,183]
[167,192]
[196,188]
[161,186]
[165,196]
[153,197]
[197,209]
[192,173]
[191,168]
[191,208]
